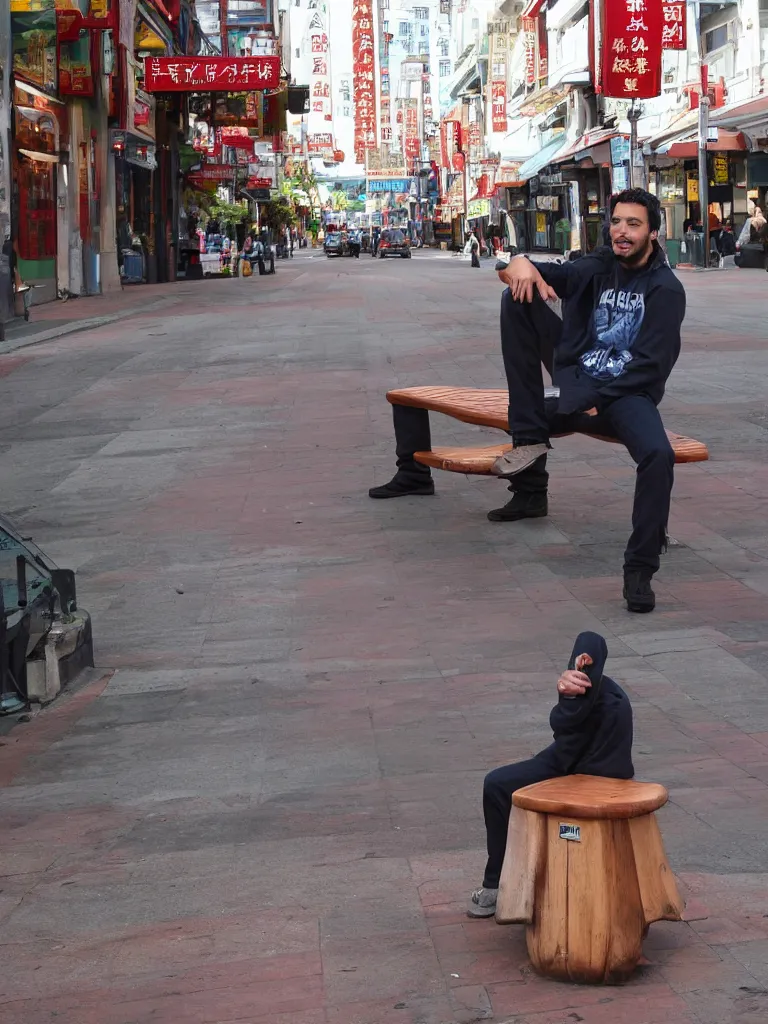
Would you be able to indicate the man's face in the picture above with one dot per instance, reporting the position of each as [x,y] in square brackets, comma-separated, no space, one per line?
[631,237]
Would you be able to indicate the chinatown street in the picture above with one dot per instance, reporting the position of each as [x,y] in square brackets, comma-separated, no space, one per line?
[264,804]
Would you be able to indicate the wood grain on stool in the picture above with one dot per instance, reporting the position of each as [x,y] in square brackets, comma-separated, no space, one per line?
[585,869]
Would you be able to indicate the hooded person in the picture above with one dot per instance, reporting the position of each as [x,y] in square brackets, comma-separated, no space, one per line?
[592,735]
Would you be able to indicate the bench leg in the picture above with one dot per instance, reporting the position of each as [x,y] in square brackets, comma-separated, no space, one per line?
[412,434]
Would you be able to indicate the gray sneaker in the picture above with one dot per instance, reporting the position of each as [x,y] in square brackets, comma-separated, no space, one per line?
[517,459]
[483,903]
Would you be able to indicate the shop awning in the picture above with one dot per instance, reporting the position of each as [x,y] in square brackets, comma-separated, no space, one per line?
[545,156]
[508,174]
[686,147]
[753,114]
[579,149]
[543,100]
[682,126]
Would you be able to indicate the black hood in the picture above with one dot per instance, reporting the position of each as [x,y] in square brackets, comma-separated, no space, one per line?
[595,646]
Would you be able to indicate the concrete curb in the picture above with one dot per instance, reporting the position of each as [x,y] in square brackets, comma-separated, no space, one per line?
[12,345]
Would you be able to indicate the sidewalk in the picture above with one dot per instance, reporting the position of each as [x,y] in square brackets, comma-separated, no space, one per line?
[265,805]
[55,319]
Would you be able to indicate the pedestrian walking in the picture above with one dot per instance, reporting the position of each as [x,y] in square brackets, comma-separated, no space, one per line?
[474,250]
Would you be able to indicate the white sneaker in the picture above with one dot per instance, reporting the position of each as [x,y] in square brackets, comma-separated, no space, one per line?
[483,903]
[517,459]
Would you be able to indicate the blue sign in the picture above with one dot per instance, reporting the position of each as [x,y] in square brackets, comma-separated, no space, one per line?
[619,150]
[388,185]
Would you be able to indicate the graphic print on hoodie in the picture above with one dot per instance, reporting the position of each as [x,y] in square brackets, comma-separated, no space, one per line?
[616,323]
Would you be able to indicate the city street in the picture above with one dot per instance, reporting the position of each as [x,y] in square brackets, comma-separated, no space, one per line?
[264,805]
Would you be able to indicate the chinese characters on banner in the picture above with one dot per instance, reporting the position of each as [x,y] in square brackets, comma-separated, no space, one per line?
[364,69]
[385,108]
[411,143]
[529,41]
[632,43]
[320,142]
[212,74]
[320,78]
[673,31]
[543,47]
[498,83]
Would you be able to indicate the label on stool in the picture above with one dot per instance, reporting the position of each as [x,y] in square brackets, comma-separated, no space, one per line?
[570,832]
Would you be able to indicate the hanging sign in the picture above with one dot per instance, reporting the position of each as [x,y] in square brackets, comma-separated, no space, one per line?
[210,74]
[632,43]
[673,32]
[364,70]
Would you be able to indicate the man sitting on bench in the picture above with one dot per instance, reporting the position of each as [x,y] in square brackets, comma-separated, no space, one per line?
[610,356]
[592,726]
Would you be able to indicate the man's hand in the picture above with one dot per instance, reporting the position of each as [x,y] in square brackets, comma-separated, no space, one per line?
[574,682]
[524,280]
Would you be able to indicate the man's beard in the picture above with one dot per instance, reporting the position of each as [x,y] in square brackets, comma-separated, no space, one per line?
[636,259]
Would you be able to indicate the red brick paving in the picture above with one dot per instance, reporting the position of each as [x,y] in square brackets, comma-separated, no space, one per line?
[270,813]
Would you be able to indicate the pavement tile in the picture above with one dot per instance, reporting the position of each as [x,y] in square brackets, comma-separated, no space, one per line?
[271,812]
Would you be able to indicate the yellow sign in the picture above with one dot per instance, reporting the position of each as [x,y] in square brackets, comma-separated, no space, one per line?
[692,188]
[541,223]
[720,168]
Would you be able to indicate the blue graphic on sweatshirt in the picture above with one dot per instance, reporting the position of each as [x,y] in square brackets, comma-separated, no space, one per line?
[617,319]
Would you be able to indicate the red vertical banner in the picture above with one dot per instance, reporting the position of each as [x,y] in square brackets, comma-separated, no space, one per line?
[543,52]
[673,33]
[364,70]
[632,31]
[529,41]
[498,85]
[444,158]
[411,141]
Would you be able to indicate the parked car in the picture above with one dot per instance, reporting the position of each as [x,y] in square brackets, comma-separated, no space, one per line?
[337,244]
[394,243]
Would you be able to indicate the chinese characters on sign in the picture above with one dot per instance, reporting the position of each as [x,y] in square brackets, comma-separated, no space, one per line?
[411,145]
[211,74]
[364,70]
[632,43]
[529,40]
[673,33]
[498,85]
[320,142]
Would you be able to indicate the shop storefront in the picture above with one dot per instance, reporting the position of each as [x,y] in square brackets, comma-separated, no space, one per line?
[757,179]
[40,143]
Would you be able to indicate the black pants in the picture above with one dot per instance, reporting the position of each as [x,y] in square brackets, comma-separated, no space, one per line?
[529,334]
[498,788]
[475,258]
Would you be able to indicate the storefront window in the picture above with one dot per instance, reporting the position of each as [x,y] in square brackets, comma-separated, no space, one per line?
[672,185]
[37,201]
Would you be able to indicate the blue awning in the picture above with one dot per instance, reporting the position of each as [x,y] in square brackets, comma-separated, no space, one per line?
[545,156]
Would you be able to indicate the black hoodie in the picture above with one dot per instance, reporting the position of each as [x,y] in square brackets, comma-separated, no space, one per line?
[593,732]
[621,329]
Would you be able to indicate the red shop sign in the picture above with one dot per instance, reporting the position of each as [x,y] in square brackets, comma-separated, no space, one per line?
[632,48]
[499,106]
[210,74]
[673,32]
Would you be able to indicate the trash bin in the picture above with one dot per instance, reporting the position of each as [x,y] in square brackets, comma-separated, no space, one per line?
[673,251]
[694,243]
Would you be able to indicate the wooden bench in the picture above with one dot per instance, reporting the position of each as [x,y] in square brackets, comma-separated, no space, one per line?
[585,870]
[489,409]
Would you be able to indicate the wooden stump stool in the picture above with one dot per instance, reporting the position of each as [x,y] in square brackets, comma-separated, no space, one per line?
[585,869]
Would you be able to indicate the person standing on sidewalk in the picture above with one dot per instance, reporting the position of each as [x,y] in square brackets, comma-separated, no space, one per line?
[610,356]
[592,731]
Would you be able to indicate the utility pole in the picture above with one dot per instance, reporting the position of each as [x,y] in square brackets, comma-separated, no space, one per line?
[703,172]
[633,116]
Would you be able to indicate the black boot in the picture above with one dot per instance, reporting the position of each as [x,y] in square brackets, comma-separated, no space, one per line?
[637,590]
[401,485]
[523,505]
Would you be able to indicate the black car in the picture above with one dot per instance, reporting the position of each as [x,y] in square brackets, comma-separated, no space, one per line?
[337,244]
[393,242]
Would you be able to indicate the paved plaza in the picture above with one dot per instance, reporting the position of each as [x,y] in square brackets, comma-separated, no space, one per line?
[263,806]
